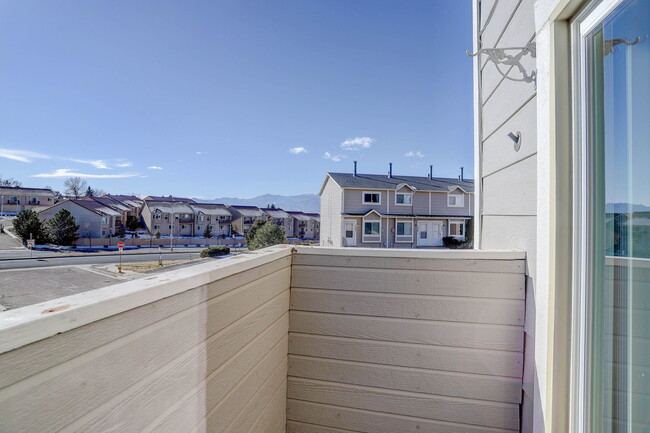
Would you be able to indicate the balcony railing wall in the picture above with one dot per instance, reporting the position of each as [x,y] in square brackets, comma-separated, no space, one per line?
[368,341]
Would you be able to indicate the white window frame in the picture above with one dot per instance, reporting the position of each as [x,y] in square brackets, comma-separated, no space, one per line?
[591,16]
[410,194]
[363,197]
[364,236]
[460,223]
[459,203]
[104,220]
[404,238]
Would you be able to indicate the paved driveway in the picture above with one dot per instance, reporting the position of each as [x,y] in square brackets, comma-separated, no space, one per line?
[8,243]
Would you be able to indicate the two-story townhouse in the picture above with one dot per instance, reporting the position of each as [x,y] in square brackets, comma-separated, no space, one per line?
[15,199]
[282,218]
[314,225]
[214,216]
[133,202]
[243,217]
[168,217]
[95,220]
[115,205]
[306,225]
[371,210]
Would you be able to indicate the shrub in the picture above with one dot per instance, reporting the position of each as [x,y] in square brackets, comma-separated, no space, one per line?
[267,235]
[207,233]
[215,251]
[28,224]
[250,235]
[157,235]
[451,241]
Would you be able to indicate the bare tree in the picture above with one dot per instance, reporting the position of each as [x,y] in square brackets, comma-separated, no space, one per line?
[10,182]
[75,186]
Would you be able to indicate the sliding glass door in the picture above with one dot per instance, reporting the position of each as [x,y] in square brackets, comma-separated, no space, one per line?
[615,126]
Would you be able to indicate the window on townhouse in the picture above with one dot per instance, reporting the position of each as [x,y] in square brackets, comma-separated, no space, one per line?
[211,227]
[404,198]
[199,227]
[371,198]
[371,228]
[456,228]
[404,228]
[170,227]
[157,216]
[156,227]
[455,200]
[183,226]
[104,220]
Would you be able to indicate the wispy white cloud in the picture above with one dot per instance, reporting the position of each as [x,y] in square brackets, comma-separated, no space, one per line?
[411,154]
[201,153]
[335,158]
[357,143]
[154,167]
[297,150]
[66,172]
[124,164]
[97,163]
[21,155]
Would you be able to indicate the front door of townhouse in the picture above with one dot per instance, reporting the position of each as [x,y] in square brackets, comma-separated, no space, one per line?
[436,234]
[429,234]
[350,233]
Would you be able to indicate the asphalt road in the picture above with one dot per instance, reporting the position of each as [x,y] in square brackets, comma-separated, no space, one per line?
[41,262]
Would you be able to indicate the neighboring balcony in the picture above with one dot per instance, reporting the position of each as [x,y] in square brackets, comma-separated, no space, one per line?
[286,339]
[186,220]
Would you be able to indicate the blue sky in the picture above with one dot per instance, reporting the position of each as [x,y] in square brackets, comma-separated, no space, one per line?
[232,98]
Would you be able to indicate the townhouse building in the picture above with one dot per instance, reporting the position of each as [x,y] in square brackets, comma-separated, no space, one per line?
[243,217]
[168,217]
[213,216]
[117,206]
[371,210]
[15,199]
[281,218]
[94,218]
[133,202]
[306,225]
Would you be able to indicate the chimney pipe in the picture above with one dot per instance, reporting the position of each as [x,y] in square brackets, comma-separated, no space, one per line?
[390,170]
[462,176]
[430,172]
[355,169]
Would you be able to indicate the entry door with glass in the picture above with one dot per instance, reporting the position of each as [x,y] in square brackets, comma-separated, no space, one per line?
[429,233]
[350,229]
[613,78]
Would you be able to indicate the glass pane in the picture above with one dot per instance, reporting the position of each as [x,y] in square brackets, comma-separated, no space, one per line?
[619,147]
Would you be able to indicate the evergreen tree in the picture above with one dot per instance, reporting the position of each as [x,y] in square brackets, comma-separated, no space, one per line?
[207,233]
[267,235]
[27,223]
[251,232]
[63,228]
[90,192]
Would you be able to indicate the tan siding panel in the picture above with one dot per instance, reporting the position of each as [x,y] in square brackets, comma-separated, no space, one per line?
[483,285]
[491,388]
[512,190]
[518,232]
[375,422]
[492,337]
[490,362]
[498,150]
[445,308]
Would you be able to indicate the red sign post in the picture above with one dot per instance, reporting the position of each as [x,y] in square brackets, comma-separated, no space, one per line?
[120,245]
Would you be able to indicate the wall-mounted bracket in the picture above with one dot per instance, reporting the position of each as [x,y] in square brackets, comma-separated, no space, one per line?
[499,57]
[516,137]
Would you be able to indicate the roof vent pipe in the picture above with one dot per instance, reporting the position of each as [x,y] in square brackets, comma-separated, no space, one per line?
[355,169]
[462,176]
[430,172]
[390,170]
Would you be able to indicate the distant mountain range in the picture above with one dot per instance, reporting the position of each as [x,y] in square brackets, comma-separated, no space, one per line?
[302,202]
[623,208]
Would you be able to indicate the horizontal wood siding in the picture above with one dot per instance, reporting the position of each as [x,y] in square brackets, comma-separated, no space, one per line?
[388,344]
[212,357]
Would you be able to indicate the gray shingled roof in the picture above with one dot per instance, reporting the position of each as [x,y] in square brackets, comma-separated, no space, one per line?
[382,181]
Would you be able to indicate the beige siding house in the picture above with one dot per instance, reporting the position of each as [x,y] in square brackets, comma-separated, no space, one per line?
[95,220]
[15,199]
[282,219]
[368,210]
[243,218]
[168,218]
[215,216]
[306,225]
